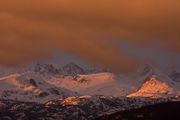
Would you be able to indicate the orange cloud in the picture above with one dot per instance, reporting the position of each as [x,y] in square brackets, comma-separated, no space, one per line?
[86,28]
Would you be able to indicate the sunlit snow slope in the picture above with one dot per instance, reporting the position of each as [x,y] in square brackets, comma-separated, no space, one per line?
[30,87]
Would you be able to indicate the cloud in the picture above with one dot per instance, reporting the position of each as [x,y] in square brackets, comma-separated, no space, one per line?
[30,29]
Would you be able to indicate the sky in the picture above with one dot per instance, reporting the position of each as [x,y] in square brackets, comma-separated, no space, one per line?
[94,30]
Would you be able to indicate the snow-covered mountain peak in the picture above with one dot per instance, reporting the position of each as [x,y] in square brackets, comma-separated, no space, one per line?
[73,69]
[149,70]
[47,69]
[30,87]
[153,87]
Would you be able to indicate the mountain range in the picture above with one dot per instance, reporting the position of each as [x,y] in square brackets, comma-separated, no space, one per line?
[45,82]
[45,92]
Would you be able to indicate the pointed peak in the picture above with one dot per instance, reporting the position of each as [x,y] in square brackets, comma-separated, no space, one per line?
[153,87]
[73,69]
[46,68]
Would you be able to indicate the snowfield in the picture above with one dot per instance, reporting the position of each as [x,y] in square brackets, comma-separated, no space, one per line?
[30,87]
[48,83]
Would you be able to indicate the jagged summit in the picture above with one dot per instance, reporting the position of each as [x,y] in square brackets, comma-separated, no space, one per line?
[153,87]
[149,70]
[155,84]
[47,69]
[73,69]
